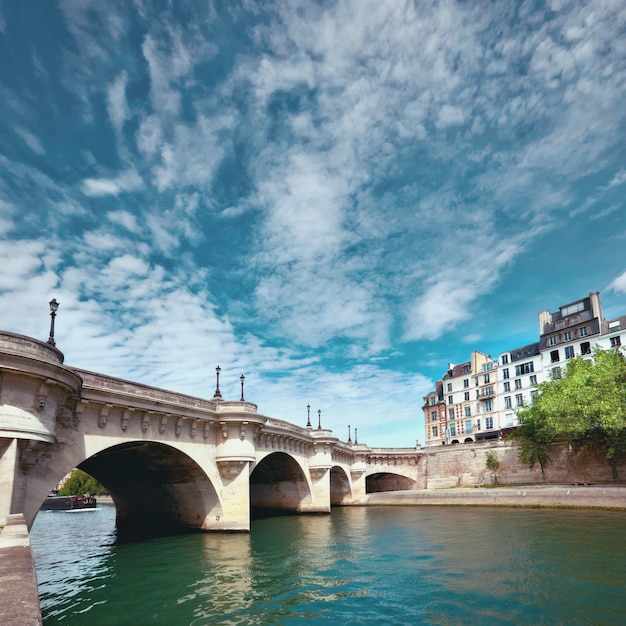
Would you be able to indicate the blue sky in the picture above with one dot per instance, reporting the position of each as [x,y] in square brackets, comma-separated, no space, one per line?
[335,199]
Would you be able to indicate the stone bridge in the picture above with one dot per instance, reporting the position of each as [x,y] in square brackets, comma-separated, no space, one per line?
[170,461]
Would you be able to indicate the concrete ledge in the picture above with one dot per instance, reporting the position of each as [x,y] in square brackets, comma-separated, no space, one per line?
[19,595]
[570,496]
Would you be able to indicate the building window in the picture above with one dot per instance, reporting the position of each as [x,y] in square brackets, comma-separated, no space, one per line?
[466,396]
[433,416]
[435,432]
[616,341]
[518,383]
[519,399]
[585,347]
[569,352]
[451,414]
[466,368]
[573,320]
[505,359]
[583,332]
[488,405]
[507,386]
[449,399]
[556,372]
[532,396]
[468,427]
[432,400]
[486,378]
[452,430]
[554,356]
[468,411]
[572,308]
[552,341]
[466,382]
[449,386]
[489,422]
[559,325]
[505,373]
[507,402]
[524,368]
[533,379]
[567,336]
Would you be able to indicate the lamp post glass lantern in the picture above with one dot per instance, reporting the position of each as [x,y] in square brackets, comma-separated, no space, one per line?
[54,305]
[308,416]
[319,419]
[242,378]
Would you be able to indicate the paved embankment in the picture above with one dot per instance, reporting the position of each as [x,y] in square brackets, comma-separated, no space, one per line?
[584,496]
[19,598]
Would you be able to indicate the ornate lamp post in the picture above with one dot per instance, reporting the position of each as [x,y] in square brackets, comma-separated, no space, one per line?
[308,416]
[54,305]
[242,378]
[355,437]
[349,437]
[218,393]
[319,419]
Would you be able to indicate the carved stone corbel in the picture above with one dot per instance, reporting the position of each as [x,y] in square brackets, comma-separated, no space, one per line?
[317,472]
[104,415]
[179,427]
[145,421]
[224,426]
[242,430]
[41,396]
[78,412]
[206,431]
[230,469]
[126,417]
[193,428]
[163,423]
[33,452]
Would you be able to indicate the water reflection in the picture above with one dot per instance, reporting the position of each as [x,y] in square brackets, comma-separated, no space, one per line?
[358,565]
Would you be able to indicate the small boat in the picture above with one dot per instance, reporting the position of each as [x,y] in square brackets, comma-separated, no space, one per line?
[68,503]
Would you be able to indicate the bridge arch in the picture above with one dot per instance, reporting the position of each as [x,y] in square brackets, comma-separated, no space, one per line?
[156,488]
[340,487]
[278,484]
[388,481]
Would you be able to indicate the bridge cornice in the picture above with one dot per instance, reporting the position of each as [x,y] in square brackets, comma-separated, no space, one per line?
[99,388]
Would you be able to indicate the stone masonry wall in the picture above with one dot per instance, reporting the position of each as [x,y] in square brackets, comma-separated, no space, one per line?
[464,465]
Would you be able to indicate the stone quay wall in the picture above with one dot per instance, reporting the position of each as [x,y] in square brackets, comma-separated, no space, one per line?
[19,596]
[464,465]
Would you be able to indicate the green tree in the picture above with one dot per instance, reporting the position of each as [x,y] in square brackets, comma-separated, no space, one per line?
[534,436]
[80,483]
[493,464]
[586,406]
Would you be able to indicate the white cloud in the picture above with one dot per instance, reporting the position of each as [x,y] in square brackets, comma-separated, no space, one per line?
[31,141]
[125,219]
[116,101]
[125,182]
[619,284]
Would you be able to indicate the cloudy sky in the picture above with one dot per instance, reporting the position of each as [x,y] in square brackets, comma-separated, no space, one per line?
[335,199]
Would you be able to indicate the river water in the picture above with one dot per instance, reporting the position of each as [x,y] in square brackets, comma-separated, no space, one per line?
[377,565]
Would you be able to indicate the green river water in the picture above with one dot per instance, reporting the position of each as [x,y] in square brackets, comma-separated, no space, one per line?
[377,565]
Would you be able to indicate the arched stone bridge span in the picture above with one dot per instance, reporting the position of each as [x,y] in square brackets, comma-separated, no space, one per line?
[170,461]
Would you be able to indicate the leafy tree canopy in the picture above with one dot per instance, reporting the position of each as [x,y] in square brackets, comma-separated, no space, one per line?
[586,405]
[79,483]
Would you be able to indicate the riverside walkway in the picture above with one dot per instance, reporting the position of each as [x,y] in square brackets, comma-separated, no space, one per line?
[604,496]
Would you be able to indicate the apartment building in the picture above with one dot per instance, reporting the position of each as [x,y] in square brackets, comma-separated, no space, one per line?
[521,371]
[435,416]
[479,399]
